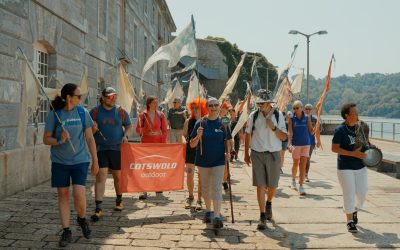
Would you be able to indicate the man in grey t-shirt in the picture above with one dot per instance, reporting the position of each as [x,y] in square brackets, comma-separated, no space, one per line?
[176,119]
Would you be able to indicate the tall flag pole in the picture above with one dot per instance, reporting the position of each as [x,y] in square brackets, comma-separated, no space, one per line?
[318,107]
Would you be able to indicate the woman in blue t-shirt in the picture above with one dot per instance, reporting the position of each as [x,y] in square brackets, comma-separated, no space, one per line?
[210,159]
[69,155]
[351,172]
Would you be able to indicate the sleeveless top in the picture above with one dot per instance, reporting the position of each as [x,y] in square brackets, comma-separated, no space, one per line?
[301,135]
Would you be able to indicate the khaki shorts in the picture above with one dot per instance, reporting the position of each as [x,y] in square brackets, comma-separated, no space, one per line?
[175,135]
[266,168]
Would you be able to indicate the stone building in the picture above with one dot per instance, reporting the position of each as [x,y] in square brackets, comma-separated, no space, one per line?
[61,38]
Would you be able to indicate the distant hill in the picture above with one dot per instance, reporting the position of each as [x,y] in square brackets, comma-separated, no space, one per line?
[376,95]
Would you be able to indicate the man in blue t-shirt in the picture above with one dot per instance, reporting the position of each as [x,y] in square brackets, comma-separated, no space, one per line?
[112,127]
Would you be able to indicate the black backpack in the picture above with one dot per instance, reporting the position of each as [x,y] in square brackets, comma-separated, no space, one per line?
[276,113]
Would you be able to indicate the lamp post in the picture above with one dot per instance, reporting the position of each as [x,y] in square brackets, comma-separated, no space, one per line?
[295,32]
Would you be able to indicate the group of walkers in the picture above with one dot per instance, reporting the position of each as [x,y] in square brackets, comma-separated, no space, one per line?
[73,133]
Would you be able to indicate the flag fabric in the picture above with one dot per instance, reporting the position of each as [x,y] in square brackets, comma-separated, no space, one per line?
[245,109]
[84,86]
[195,90]
[296,85]
[284,95]
[126,94]
[183,45]
[177,92]
[51,93]
[285,71]
[230,84]
[150,167]
[255,79]
[318,107]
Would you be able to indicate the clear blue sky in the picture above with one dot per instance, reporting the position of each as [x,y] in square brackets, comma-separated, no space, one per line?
[364,35]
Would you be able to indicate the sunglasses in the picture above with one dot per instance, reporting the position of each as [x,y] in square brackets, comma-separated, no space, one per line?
[110,97]
[308,109]
[296,108]
[216,105]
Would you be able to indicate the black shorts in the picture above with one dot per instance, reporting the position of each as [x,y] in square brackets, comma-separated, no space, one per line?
[109,159]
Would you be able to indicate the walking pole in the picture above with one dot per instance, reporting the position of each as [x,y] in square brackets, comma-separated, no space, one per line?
[229,174]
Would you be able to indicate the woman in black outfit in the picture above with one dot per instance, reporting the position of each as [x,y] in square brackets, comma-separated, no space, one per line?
[198,109]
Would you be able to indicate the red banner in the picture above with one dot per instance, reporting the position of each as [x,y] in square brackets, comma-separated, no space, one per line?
[152,167]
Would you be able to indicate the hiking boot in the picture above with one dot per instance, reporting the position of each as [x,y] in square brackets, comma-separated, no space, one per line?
[225,184]
[355,218]
[306,179]
[268,211]
[118,206]
[207,217]
[66,237]
[302,190]
[351,227]
[293,185]
[189,202]
[199,205]
[143,196]
[218,223]
[85,228]
[98,213]
[262,224]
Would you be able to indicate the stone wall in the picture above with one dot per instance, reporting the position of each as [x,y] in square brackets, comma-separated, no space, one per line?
[69,32]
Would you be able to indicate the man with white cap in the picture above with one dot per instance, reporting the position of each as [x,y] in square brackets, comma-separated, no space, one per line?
[266,132]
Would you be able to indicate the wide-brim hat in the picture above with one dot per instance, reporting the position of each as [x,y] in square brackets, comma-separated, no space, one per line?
[263,96]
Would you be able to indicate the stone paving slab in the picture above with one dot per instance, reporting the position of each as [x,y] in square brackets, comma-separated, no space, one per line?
[30,220]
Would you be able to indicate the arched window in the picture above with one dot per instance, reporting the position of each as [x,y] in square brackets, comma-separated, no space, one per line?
[43,53]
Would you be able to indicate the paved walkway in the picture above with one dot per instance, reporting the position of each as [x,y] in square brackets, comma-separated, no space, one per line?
[30,219]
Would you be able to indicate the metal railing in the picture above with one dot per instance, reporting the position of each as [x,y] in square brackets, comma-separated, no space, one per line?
[379,130]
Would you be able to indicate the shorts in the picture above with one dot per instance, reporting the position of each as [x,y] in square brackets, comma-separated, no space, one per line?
[301,151]
[211,182]
[61,174]
[109,159]
[266,168]
[175,136]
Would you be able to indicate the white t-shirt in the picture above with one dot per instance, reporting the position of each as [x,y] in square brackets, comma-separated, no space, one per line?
[263,138]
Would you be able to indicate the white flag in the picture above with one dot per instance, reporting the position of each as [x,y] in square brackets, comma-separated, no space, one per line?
[126,95]
[51,93]
[230,84]
[84,86]
[176,93]
[284,95]
[30,94]
[194,90]
[296,85]
[183,45]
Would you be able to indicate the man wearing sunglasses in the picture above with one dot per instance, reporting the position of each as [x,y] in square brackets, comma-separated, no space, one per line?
[264,135]
[176,119]
[112,127]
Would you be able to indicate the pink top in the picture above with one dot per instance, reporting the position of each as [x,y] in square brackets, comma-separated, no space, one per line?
[152,132]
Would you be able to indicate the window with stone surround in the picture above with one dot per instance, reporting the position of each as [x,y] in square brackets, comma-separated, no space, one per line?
[41,69]
[102,8]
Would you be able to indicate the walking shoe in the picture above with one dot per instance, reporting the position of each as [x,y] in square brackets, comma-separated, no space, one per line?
[98,213]
[293,185]
[225,184]
[355,218]
[262,224]
[189,202]
[199,205]
[66,237]
[159,194]
[306,179]
[302,191]
[351,227]
[218,223]
[143,196]
[281,171]
[268,211]
[85,228]
[207,217]
[118,206]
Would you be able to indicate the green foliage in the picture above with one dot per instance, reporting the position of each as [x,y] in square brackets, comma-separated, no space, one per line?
[232,58]
[375,94]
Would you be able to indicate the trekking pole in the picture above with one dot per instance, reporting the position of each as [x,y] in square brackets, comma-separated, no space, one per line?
[229,176]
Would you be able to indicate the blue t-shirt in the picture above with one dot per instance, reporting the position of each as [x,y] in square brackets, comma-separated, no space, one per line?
[212,143]
[71,120]
[312,137]
[346,137]
[301,135]
[110,124]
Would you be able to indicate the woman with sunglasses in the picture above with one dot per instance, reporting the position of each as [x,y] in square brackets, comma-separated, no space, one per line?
[152,127]
[197,108]
[211,161]
[300,128]
[68,131]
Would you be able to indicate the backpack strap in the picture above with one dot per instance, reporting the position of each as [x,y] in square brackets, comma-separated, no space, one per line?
[255,116]
[94,113]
